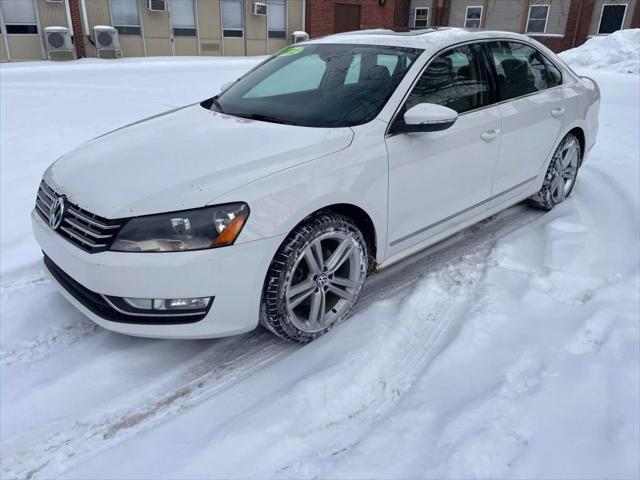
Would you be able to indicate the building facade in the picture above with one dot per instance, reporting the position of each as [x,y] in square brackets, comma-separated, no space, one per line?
[246,27]
[559,24]
[175,27]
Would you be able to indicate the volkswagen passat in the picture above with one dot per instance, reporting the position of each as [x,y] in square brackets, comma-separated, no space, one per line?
[272,201]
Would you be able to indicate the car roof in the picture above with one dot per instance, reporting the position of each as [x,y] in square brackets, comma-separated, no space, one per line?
[428,39]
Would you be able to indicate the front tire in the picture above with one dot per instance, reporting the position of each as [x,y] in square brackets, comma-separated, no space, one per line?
[561,174]
[315,278]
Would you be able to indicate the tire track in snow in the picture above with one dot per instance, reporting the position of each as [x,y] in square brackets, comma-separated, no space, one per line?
[230,360]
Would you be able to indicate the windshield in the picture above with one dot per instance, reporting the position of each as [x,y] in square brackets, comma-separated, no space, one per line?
[319,85]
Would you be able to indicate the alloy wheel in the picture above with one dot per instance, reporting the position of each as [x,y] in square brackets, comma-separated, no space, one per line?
[565,170]
[324,281]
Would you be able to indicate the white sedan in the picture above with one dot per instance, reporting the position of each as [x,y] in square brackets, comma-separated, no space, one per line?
[271,202]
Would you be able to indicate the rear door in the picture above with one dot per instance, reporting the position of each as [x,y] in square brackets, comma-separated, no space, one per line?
[440,179]
[533,112]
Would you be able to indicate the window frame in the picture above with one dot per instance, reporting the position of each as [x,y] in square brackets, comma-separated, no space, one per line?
[546,19]
[492,76]
[124,30]
[182,31]
[624,15]
[278,34]
[415,16]
[235,32]
[466,15]
[5,31]
[544,58]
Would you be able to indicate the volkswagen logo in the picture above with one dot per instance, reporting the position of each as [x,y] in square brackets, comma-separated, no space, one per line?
[56,212]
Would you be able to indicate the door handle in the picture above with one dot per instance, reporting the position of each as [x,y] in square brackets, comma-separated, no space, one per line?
[558,112]
[490,135]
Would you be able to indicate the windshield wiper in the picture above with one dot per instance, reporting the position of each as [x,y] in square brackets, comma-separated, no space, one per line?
[260,117]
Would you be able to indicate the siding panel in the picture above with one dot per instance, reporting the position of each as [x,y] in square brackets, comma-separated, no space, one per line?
[52,14]
[157,31]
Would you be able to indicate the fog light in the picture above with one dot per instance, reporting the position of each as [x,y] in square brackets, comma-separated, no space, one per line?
[168,304]
[181,303]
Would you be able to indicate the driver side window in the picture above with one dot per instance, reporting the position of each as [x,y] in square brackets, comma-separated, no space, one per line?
[456,79]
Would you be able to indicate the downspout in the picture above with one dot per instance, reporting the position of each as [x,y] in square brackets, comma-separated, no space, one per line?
[69,22]
[575,28]
[525,16]
[485,7]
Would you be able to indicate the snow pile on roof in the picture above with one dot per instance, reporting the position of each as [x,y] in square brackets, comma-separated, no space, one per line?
[618,52]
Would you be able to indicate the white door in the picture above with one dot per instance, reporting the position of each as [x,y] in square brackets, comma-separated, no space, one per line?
[437,179]
[533,116]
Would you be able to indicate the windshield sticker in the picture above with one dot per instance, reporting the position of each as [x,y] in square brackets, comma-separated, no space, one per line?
[291,51]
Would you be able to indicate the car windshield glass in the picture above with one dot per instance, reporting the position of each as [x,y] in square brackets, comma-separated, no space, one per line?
[319,85]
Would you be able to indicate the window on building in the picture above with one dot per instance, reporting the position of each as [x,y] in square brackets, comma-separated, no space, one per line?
[611,18]
[232,16]
[421,18]
[125,17]
[473,17]
[20,17]
[183,18]
[457,79]
[277,18]
[537,19]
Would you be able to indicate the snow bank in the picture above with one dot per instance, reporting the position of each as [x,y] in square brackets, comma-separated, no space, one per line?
[618,52]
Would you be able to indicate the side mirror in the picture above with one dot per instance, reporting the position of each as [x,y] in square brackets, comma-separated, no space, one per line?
[226,86]
[427,117]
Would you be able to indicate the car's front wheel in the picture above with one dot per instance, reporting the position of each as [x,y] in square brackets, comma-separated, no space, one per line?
[315,278]
[561,174]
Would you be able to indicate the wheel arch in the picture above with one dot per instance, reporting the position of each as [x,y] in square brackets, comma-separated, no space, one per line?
[579,133]
[359,217]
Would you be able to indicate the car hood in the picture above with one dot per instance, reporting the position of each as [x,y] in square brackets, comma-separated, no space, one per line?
[181,159]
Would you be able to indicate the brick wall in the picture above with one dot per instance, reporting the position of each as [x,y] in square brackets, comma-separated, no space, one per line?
[76,22]
[635,20]
[576,30]
[393,14]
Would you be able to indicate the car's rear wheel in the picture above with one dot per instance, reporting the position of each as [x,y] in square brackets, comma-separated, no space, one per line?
[315,278]
[561,174]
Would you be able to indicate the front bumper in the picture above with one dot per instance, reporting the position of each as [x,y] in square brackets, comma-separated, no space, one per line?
[234,276]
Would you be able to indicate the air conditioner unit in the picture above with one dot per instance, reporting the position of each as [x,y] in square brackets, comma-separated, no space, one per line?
[58,39]
[106,40]
[157,5]
[259,8]
[299,36]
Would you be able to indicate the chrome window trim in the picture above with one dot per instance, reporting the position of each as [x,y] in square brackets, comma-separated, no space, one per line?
[469,42]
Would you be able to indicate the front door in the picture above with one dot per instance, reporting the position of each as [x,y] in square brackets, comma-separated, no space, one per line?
[346,18]
[439,179]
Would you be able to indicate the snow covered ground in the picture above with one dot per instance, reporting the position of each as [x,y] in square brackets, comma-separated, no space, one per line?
[510,351]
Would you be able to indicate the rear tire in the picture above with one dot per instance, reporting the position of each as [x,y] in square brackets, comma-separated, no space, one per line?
[315,278]
[561,175]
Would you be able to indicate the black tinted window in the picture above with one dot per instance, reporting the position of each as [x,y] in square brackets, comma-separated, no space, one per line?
[612,17]
[554,76]
[456,79]
[320,85]
[520,69]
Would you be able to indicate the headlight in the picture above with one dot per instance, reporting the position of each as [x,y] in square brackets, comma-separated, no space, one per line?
[196,229]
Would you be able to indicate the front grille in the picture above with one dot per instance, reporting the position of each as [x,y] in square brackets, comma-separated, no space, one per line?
[84,229]
[102,305]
